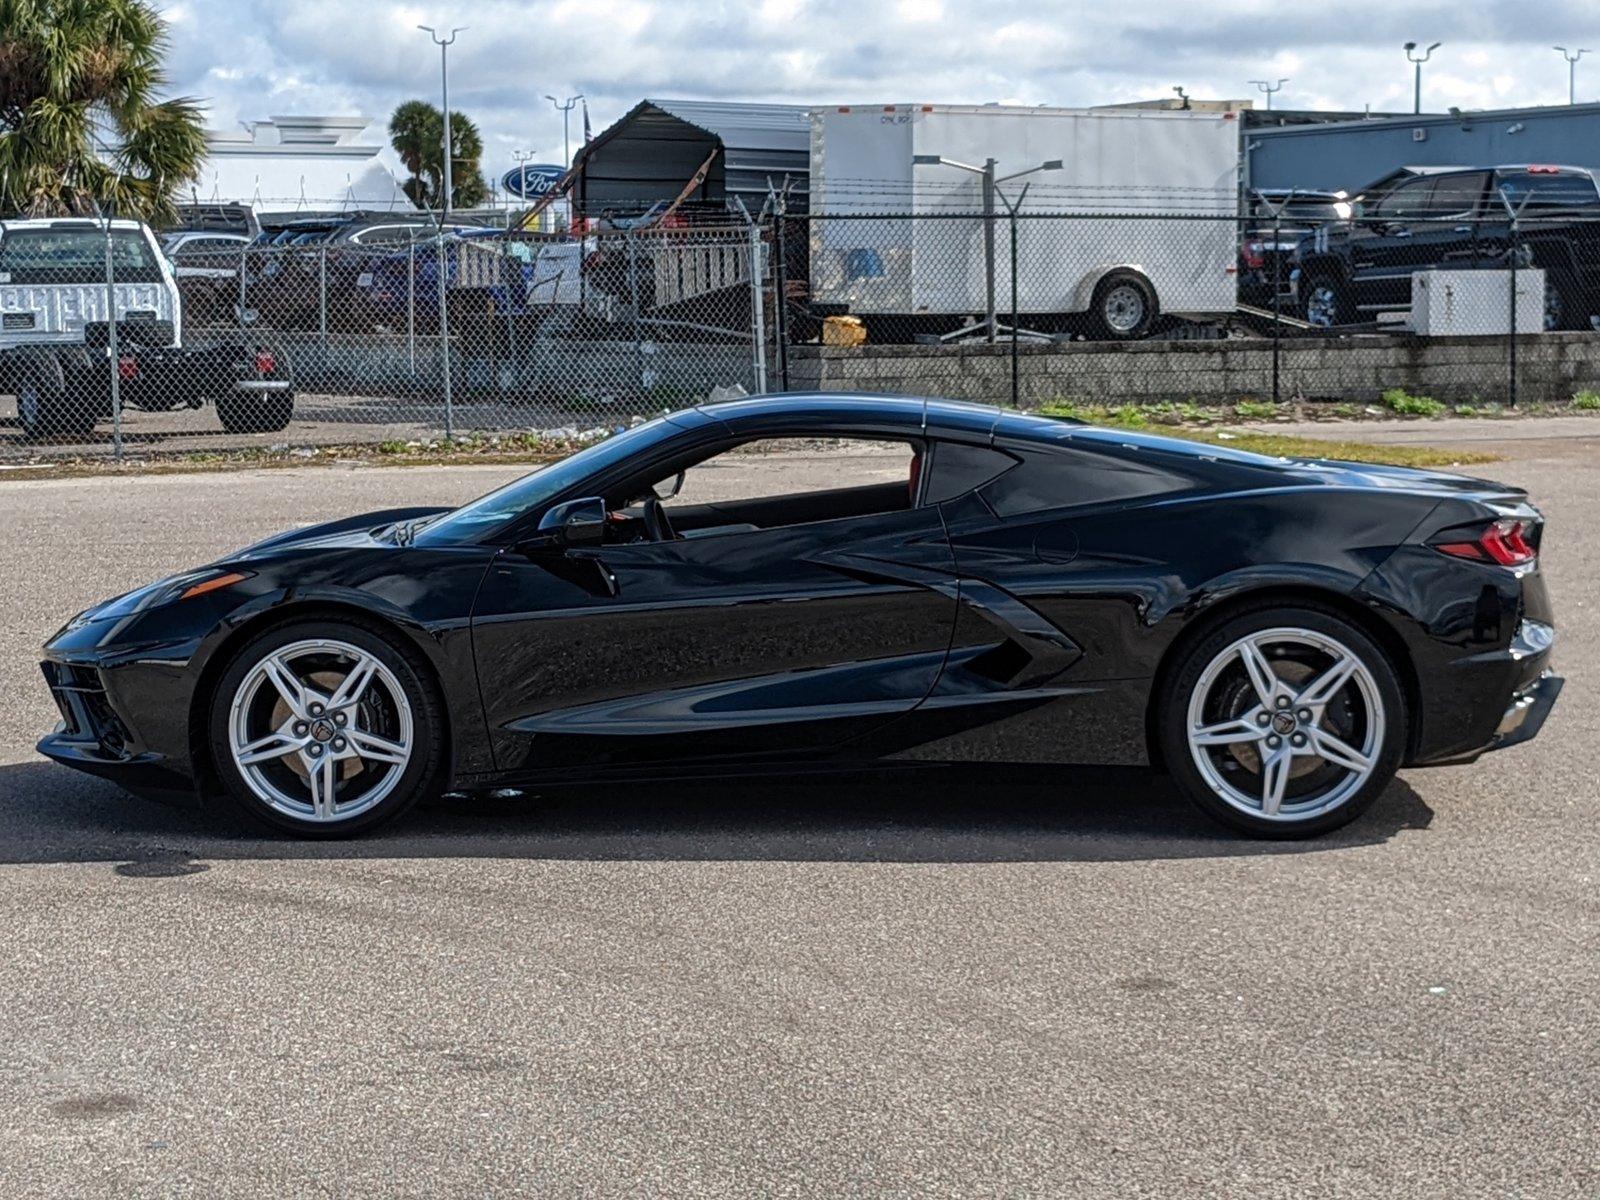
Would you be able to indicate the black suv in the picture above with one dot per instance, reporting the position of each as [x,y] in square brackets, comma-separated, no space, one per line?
[1456,219]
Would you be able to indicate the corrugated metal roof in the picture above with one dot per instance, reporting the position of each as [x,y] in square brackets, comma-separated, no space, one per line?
[649,153]
[746,126]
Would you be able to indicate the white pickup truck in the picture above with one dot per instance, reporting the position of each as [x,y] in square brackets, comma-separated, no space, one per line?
[55,353]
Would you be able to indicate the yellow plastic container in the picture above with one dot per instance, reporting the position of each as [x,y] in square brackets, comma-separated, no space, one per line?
[843,331]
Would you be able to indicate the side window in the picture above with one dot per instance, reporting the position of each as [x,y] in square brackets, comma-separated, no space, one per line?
[955,468]
[1550,188]
[1457,195]
[784,481]
[1408,200]
[1062,478]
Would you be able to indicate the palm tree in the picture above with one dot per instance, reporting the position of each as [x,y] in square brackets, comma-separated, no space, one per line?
[82,127]
[416,131]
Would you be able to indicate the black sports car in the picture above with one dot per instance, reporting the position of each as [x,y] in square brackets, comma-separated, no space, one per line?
[1280,635]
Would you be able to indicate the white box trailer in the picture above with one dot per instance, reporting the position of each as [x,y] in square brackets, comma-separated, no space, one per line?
[1147,199]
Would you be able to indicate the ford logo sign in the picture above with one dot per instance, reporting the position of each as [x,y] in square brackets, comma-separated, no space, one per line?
[532,181]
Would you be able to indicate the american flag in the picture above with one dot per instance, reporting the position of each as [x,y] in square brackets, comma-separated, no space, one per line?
[588,135]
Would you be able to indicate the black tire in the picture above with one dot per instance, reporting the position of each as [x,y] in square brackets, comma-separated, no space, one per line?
[1346,793]
[1124,307]
[421,774]
[1325,301]
[47,408]
[255,412]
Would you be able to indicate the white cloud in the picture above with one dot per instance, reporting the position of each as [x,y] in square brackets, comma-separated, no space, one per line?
[344,56]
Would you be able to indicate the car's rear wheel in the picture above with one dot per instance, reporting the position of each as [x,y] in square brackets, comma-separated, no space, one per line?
[1283,722]
[47,408]
[325,729]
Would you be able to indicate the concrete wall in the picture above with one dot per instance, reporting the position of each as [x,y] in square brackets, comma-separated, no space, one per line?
[1459,369]
[1351,154]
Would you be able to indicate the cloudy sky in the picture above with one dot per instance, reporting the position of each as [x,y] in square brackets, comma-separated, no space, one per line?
[250,60]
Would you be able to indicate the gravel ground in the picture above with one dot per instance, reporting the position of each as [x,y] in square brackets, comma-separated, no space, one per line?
[971,982]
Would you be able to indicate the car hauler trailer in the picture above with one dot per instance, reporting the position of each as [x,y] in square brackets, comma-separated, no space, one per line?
[1129,214]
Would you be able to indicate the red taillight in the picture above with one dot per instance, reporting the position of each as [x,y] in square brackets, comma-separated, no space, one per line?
[1504,543]
[266,362]
[1252,255]
[128,367]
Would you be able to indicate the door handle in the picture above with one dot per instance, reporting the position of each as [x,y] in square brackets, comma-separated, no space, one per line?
[1465,228]
[1400,233]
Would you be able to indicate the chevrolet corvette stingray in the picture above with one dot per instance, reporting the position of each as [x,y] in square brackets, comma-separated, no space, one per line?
[1280,635]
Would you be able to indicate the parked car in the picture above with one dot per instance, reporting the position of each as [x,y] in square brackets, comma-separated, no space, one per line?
[55,335]
[1458,219]
[1286,635]
[206,264]
[1276,220]
[519,275]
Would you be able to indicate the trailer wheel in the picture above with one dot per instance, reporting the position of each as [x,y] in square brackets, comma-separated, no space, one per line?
[265,412]
[46,408]
[1124,306]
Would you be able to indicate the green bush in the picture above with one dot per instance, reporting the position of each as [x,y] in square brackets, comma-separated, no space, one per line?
[1588,400]
[1255,410]
[1400,401]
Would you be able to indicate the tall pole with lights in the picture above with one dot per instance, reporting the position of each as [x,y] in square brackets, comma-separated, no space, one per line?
[1572,57]
[1412,57]
[1268,89]
[444,44]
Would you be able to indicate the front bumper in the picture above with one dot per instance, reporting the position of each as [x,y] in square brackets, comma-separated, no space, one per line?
[92,736]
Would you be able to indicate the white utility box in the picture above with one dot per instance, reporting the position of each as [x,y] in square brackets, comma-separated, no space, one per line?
[1446,303]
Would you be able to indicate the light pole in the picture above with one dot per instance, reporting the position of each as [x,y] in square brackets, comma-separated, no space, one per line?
[444,45]
[1268,88]
[991,186]
[566,120]
[1572,57]
[1411,57]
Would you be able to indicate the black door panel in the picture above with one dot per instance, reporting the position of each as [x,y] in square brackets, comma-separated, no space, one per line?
[761,641]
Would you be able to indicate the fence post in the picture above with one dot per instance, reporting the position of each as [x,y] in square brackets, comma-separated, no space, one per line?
[322,300]
[781,308]
[1513,252]
[244,268]
[115,358]
[411,306]
[1015,319]
[758,323]
[444,343]
[1277,291]
[633,308]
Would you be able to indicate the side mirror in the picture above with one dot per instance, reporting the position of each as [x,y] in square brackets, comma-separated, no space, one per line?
[672,489]
[576,523]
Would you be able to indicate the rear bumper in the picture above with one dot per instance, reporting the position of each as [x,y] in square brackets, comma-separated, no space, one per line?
[1526,714]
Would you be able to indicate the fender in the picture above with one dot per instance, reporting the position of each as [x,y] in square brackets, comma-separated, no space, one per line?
[1083,290]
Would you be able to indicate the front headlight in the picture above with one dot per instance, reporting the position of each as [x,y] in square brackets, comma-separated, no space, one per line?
[165,591]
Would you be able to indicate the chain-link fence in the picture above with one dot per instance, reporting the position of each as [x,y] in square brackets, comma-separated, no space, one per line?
[384,333]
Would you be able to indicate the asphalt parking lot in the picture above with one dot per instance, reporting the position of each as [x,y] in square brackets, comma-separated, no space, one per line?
[961,983]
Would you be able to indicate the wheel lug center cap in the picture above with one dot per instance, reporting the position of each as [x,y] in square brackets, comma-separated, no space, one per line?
[1284,723]
[322,731]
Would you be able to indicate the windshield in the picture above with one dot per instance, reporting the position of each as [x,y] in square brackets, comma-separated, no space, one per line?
[471,521]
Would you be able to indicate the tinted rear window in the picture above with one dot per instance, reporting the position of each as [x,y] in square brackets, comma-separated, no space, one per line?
[75,254]
[1565,189]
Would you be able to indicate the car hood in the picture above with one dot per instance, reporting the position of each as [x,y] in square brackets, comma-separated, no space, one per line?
[352,531]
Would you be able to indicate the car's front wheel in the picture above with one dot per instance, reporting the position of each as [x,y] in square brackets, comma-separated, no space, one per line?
[1283,722]
[326,729]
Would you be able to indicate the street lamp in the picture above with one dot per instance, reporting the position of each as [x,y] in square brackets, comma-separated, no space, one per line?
[1412,58]
[444,45]
[566,119]
[1263,86]
[991,186]
[1572,57]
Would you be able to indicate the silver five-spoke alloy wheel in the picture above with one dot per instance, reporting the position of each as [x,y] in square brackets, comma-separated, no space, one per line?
[1322,306]
[321,730]
[1285,724]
